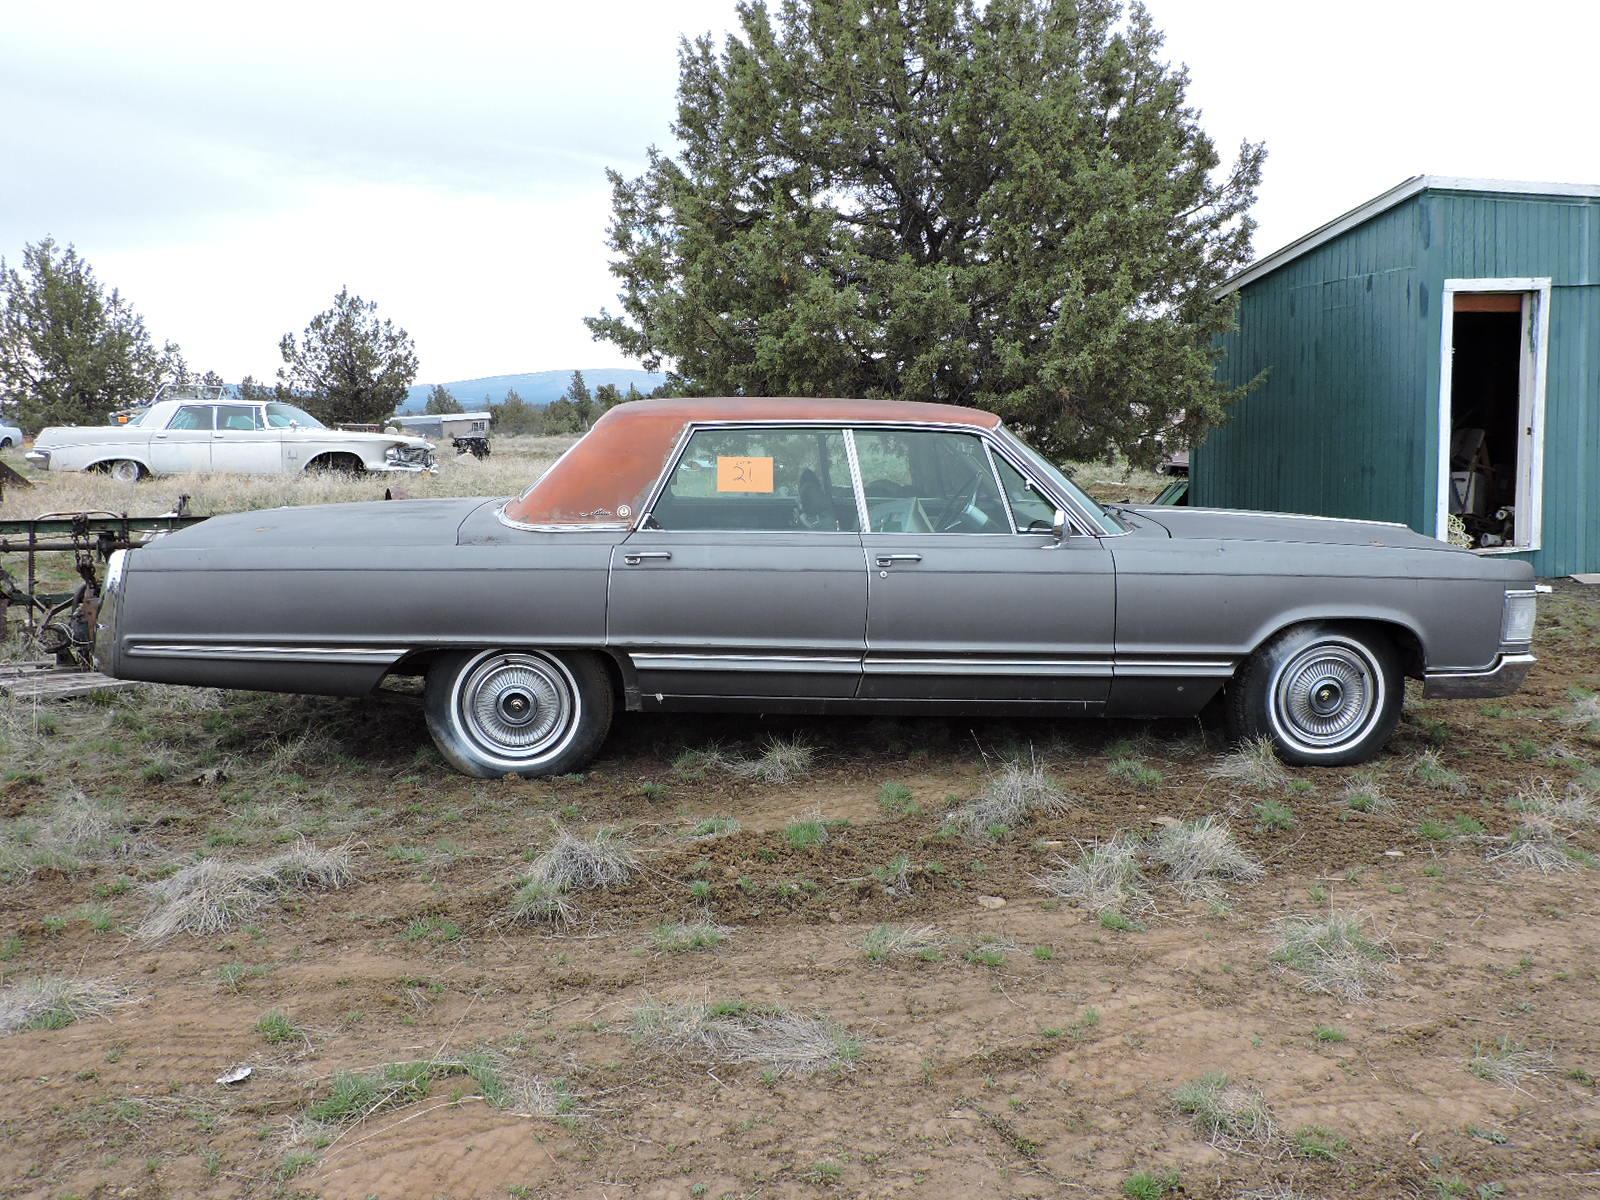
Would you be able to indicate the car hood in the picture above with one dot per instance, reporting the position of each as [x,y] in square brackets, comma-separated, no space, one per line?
[1230,525]
[373,523]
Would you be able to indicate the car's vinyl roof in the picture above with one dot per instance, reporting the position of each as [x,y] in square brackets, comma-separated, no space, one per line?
[605,479]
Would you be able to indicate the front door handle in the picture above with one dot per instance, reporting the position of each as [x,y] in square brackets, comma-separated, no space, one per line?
[634,557]
[886,560]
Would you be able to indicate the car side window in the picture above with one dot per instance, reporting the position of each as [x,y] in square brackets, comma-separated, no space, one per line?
[754,478]
[928,481]
[236,416]
[1032,512]
[192,416]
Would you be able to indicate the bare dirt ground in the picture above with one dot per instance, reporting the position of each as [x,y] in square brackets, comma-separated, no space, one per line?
[407,1039]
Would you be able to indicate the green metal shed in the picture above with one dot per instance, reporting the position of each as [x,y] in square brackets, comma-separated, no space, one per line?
[1432,357]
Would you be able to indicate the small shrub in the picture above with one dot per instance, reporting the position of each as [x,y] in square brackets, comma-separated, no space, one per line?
[1273,815]
[1254,765]
[734,1032]
[676,937]
[1200,855]
[896,801]
[1508,1062]
[1335,954]
[807,833]
[1151,1185]
[1105,877]
[1319,1143]
[1118,923]
[54,1002]
[213,896]
[1429,770]
[921,942]
[537,902]
[780,761]
[577,864]
[1138,775]
[1327,1033]
[276,1028]
[1536,844]
[1364,793]
[1225,1113]
[711,827]
[1011,797]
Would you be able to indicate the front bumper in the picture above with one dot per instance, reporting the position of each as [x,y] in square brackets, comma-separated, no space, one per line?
[404,468]
[1502,679]
[39,458]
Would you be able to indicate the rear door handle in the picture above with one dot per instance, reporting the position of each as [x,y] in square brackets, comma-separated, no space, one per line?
[634,557]
[886,560]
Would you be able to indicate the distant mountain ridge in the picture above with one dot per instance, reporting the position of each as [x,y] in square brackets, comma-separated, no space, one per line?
[536,387]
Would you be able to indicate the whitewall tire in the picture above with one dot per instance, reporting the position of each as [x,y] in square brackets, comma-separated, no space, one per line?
[518,712]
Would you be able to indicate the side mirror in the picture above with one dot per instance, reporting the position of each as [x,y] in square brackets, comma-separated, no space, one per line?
[1058,525]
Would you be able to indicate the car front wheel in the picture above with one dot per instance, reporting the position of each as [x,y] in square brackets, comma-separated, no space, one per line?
[1322,694]
[518,712]
[125,470]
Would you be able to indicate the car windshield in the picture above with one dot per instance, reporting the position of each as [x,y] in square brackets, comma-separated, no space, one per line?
[281,416]
[1063,483]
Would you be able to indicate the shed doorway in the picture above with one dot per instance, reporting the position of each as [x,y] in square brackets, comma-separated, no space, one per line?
[1491,413]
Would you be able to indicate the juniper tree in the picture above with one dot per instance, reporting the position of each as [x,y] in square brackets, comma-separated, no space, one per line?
[1009,204]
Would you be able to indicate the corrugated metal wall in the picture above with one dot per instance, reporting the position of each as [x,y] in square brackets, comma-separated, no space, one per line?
[1346,422]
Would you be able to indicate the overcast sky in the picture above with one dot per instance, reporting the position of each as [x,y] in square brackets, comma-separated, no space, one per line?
[230,166]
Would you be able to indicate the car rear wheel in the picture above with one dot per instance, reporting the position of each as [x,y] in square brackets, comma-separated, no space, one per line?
[1321,693]
[125,470]
[5,443]
[518,712]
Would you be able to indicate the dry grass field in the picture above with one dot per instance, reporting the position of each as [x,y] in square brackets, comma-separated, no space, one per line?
[796,958]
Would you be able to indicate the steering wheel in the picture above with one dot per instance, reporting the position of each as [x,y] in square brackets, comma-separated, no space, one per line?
[963,497]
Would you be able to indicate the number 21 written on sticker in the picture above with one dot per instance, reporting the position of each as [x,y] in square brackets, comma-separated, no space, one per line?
[743,474]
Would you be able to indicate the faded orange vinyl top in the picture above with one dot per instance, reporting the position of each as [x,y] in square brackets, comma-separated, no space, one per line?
[606,477]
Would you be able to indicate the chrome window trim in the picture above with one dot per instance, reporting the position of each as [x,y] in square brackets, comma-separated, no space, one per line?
[1005,496]
[856,487]
[994,437]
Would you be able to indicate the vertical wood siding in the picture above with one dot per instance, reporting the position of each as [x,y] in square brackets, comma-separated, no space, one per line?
[1346,423]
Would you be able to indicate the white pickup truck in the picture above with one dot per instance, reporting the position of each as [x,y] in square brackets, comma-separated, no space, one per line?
[214,433]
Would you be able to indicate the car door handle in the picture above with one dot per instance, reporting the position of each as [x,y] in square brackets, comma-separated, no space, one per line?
[887,560]
[160,437]
[634,557]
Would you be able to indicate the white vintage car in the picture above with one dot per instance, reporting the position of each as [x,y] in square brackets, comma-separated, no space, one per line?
[10,436]
[200,433]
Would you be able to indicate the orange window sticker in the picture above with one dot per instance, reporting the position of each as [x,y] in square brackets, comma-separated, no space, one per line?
[743,474]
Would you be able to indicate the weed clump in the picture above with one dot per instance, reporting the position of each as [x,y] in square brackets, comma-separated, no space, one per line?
[1254,765]
[1105,877]
[1199,856]
[780,1041]
[1223,1112]
[56,1001]
[924,943]
[1012,796]
[1334,954]
[214,895]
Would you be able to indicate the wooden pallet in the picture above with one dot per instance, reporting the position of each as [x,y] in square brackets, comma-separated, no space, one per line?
[41,679]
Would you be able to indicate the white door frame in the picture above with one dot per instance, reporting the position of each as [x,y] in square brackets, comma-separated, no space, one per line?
[1535,291]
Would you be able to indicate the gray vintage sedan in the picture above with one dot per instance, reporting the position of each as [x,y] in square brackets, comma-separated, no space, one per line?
[769,555]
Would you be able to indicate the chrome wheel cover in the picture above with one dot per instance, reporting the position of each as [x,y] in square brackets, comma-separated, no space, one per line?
[1327,696]
[516,708]
[125,470]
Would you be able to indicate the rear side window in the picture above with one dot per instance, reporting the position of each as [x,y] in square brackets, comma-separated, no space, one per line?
[795,480]
[191,416]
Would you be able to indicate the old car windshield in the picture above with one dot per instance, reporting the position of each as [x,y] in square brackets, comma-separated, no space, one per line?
[1053,475]
[281,416]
